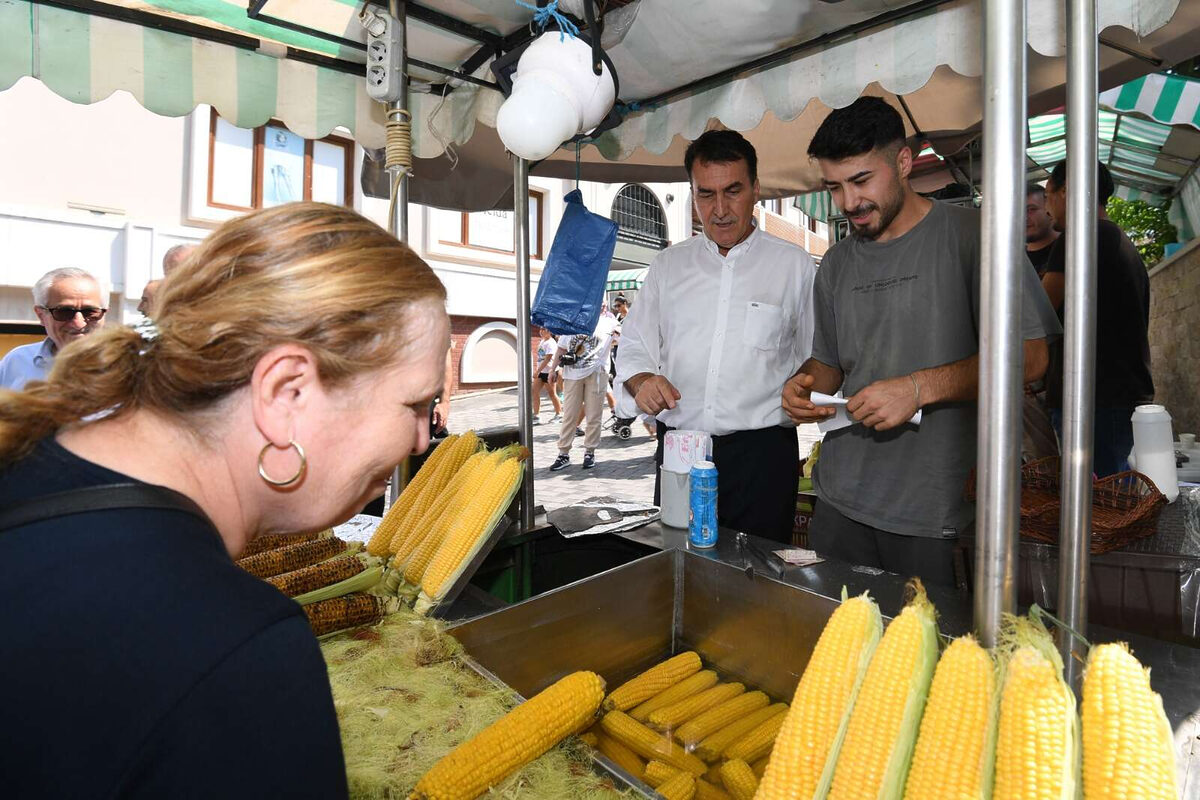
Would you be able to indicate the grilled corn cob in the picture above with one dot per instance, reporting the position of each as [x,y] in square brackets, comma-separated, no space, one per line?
[681,786]
[711,747]
[693,684]
[273,541]
[1128,747]
[758,742]
[348,611]
[1037,738]
[873,762]
[459,455]
[739,779]
[671,717]
[802,763]
[720,716]
[292,557]
[649,744]
[381,539]
[621,755]
[315,576]
[653,681]
[514,740]
[956,745]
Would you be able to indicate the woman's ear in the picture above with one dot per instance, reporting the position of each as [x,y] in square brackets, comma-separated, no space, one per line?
[282,385]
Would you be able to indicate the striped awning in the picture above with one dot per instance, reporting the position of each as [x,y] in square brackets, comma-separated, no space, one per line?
[1170,99]
[814,204]
[621,279]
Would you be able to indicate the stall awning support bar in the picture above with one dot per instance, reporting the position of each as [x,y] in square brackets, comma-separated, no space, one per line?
[524,332]
[398,209]
[1079,346]
[1001,354]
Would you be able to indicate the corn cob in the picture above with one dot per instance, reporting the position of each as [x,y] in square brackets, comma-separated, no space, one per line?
[362,582]
[451,504]
[658,772]
[953,759]
[873,762]
[1037,738]
[681,786]
[710,791]
[693,684]
[720,716]
[816,723]
[456,458]
[713,773]
[273,541]
[380,544]
[470,531]
[1128,748]
[292,557]
[348,611]
[621,755]
[758,742]
[739,779]
[514,740]
[590,739]
[711,747]
[759,768]
[657,679]
[649,744]
[306,579]
[671,717]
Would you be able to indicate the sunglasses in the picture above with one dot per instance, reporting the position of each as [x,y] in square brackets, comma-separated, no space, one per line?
[67,313]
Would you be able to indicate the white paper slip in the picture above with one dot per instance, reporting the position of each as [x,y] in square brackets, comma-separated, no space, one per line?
[841,419]
[799,558]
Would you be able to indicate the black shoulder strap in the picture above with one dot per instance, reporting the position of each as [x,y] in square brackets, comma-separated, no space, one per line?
[96,498]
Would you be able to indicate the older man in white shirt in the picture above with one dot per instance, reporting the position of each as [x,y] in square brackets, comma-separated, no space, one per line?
[721,323]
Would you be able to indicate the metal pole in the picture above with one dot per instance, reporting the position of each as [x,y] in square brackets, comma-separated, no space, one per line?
[1079,347]
[1000,345]
[398,213]
[524,333]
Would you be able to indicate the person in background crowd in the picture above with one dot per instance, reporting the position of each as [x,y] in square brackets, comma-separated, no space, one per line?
[543,377]
[897,306]
[286,373]
[146,304]
[585,382]
[722,321]
[171,261]
[1039,228]
[1123,378]
[70,305]
[440,416]
[620,307]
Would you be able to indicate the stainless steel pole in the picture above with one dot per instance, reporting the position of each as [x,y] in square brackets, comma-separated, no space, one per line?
[524,333]
[1079,346]
[398,209]
[1000,344]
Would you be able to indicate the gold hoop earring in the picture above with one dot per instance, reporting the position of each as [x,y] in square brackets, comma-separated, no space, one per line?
[262,470]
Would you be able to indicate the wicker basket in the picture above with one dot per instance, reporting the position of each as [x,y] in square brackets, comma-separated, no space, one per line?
[1125,506]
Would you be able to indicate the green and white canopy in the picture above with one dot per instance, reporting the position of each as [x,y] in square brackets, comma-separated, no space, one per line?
[620,280]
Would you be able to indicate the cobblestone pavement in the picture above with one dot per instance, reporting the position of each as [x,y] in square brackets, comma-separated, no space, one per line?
[623,469]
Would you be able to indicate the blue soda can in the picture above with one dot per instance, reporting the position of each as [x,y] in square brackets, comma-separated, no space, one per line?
[702,517]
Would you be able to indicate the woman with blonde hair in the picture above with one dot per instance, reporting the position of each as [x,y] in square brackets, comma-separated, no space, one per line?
[287,371]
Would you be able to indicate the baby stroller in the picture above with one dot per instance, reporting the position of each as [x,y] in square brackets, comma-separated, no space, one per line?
[622,427]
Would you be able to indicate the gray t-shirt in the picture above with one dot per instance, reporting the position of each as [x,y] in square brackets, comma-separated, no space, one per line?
[884,310]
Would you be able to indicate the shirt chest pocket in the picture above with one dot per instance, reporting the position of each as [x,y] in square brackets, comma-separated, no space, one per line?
[764,325]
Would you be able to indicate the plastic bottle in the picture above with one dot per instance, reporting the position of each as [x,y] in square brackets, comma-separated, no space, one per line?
[1154,448]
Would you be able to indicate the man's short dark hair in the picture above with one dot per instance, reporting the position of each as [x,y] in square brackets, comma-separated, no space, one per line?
[1104,181]
[869,123]
[1033,188]
[721,147]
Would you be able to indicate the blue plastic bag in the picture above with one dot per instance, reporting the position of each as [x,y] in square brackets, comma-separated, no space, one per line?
[571,289]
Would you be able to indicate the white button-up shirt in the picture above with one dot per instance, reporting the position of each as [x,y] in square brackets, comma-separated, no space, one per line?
[727,332]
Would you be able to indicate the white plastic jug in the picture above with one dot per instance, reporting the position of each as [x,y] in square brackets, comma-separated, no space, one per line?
[1154,448]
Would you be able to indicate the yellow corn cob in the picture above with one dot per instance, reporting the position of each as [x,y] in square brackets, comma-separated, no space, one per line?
[348,611]
[709,791]
[711,747]
[380,544]
[621,755]
[316,576]
[1128,747]
[1036,739]
[815,724]
[739,779]
[720,716]
[953,759]
[674,715]
[680,787]
[714,773]
[590,739]
[649,744]
[514,740]
[653,681]
[469,532]
[759,768]
[292,557]
[758,742]
[443,483]
[693,684]
[657,773]
[874,758]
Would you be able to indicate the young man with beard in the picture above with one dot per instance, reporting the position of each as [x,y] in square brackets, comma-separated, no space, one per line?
[897,326]
[1039,228]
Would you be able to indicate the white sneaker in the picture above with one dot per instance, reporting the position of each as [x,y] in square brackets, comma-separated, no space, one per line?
[556,418]
[537,420]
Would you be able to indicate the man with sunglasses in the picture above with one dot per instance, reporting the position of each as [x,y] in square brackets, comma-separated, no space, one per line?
[70,305]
